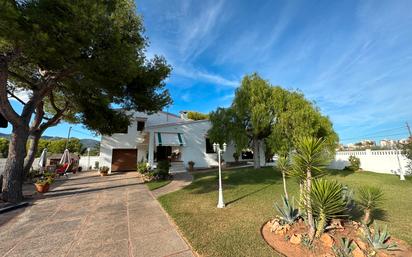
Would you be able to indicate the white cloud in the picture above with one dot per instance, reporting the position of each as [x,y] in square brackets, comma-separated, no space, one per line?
[206,76]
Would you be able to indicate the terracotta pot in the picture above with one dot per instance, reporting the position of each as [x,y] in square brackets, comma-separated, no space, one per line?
[103,174]
[42,188]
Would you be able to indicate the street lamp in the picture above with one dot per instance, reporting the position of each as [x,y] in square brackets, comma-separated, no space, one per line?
[219,151]
[88,158]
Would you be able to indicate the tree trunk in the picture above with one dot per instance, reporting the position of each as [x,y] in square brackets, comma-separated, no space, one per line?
[31,153]
[367,215]
[13,172]
[309,204]
[256,153]
[301,199]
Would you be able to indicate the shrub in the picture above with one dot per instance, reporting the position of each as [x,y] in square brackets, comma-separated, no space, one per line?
[354,163]
[288,213]
[327,202]
[96,165]
[370,198]
[104,169]
[143,167]
[42,181]
[236,156]
[378,238]
[162,171]
[344,249]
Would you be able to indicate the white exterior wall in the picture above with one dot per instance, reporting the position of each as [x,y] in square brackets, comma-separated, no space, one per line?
[381,161]
[84,161]
[129,140]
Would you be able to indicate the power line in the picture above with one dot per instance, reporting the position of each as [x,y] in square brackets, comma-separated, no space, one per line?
[376,133]
[81,132]
[381,136]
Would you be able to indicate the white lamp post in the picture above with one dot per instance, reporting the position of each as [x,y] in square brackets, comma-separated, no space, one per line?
[219,151]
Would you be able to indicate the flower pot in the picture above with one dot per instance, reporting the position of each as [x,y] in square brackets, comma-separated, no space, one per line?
[103,174]
[42,188]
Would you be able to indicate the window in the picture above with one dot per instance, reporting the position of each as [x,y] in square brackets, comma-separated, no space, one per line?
[209,146]
[140,125]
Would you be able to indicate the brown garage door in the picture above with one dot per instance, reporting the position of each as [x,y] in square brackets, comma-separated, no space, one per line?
[124,159]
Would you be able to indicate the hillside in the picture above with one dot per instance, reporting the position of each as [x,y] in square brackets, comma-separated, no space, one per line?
[85,141]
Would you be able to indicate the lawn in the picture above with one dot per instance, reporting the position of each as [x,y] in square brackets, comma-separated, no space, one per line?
[250,196]
[155,184]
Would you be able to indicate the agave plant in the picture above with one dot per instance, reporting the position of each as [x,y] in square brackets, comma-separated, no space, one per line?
[327,202]
[288,213]
[370,198]
[344,249]
[378,238]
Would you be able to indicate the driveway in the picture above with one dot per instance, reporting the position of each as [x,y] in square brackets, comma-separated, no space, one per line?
[89,215]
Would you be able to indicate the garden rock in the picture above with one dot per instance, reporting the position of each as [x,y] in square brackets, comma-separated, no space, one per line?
[357,252]
[296,239]
[362,245]
[327,240]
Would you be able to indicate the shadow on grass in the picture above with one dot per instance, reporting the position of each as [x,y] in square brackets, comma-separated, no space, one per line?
[248,194]
[208,182]
[377,214]
[341,173]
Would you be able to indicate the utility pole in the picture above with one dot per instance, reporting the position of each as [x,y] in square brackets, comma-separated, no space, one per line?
[409,130]
[68,137]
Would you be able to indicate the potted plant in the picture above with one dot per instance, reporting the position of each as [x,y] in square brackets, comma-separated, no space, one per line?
[42,185]
[104,171]
[191,165]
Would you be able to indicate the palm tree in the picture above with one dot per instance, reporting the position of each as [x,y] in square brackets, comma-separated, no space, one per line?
[283,165]
[309,160]
[370,199]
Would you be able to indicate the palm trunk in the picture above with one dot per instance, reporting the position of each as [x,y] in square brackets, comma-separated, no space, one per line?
[309,204]
[301,198]
[13,172]
[321,225]
[31,153]
[367,216]
[256,154]
[284,185]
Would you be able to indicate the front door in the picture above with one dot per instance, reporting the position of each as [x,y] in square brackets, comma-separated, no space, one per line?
[163,153]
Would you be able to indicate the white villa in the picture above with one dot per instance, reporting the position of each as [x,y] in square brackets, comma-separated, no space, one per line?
[162,136]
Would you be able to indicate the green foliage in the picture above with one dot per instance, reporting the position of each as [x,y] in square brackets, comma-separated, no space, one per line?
[378,238]
[369,199]
[42,181]
[143,167]
[310,155]
[197,115]
[4,147]
[162,170]
[236,156]
[354,163]
[344,249]
[327,202]
[298,118]
[288,213]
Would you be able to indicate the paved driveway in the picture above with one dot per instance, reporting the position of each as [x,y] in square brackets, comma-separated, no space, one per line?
[89,215]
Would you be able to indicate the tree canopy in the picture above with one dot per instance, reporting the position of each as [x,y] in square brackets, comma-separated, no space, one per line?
[197,115]
[82,61]
[261,112]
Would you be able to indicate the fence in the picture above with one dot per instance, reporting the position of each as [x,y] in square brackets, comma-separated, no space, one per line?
[83,162]
[381,161]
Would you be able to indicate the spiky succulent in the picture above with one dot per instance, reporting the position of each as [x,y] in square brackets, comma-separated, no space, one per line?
[378,238]
[287,213]
[327,202]
[344,249]
[369,199]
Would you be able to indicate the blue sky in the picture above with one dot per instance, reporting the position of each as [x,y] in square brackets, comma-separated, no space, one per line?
[353,58]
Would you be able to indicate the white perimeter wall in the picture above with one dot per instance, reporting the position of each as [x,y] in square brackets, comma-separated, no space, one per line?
[381,161]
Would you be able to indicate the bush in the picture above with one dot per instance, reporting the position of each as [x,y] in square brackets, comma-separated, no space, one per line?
[369,199]
[236,156]
[96,165]
[142,167]
[354,163]
[162,171]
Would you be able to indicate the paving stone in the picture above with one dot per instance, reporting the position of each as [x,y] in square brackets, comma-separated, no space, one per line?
[162,243]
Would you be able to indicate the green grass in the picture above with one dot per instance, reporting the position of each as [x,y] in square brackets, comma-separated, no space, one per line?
[155,184]
[250,196]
